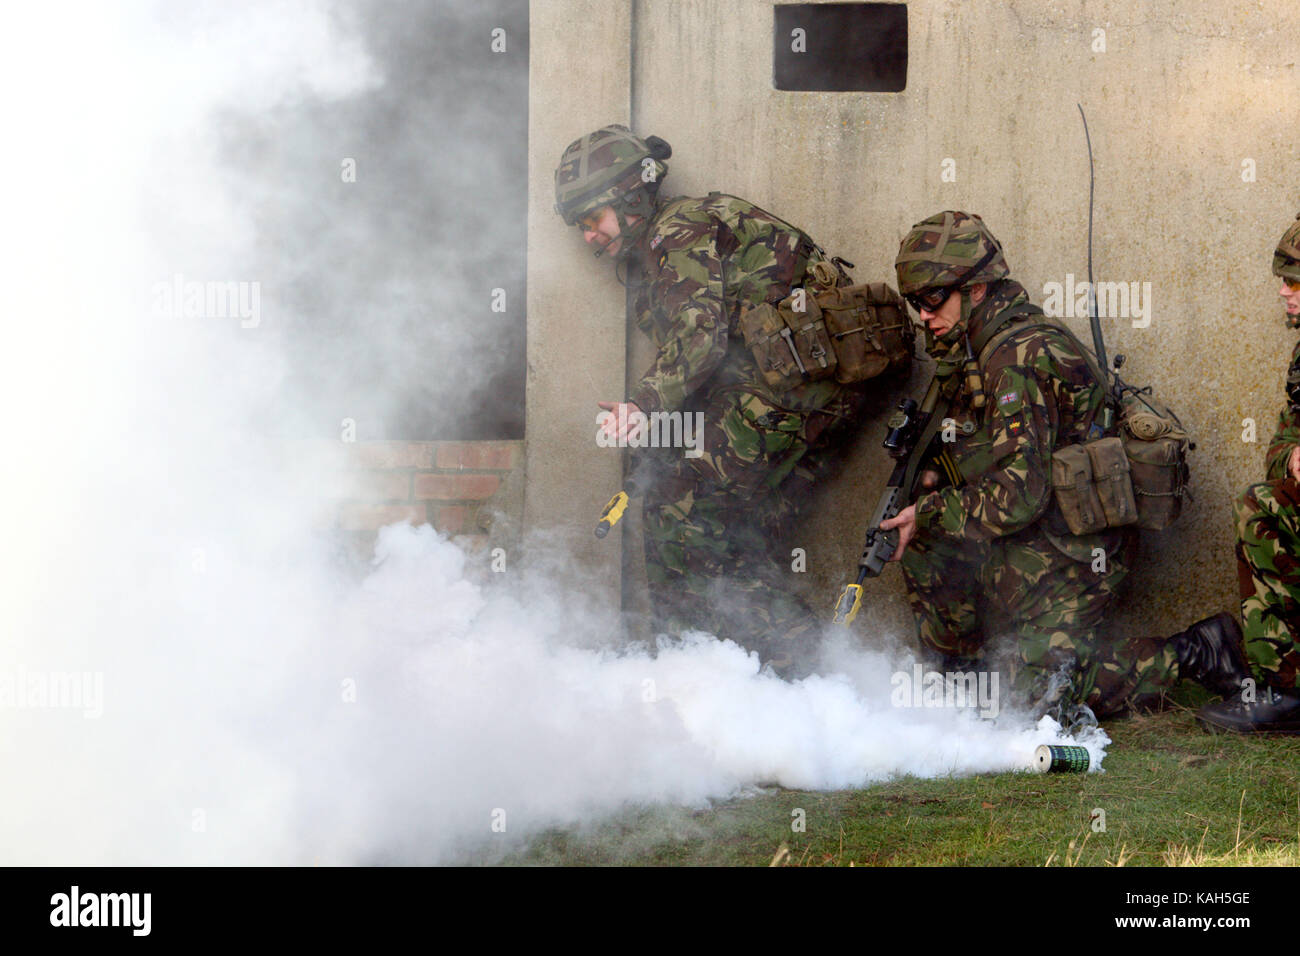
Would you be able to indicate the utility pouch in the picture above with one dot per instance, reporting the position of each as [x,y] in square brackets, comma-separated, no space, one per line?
[802,315]
[869,330]
[827,327]
[789,341]
[1156,445]
[1110,476]
[1076,494]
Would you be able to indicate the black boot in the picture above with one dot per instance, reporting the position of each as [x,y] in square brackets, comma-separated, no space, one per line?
[1212,653]
[1272,713]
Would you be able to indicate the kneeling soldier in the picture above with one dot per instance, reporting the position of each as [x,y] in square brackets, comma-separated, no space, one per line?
[992,554]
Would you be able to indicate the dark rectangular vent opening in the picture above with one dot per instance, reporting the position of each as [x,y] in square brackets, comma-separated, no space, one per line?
[840,47]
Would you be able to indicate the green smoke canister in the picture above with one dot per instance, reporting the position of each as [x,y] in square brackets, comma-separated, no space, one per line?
[1059,758]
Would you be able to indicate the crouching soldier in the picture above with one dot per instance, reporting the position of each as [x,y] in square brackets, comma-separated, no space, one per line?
[710,280]
[987,552]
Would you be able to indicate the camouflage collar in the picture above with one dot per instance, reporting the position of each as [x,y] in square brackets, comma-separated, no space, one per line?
[1001,297]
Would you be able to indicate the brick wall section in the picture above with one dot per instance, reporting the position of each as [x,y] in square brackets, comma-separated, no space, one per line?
[454,486]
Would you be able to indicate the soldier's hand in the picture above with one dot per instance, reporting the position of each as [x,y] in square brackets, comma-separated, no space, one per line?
[620,423]
[905,522]
[1293,463]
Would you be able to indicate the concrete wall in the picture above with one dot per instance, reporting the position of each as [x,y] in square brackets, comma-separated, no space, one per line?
[1182,95]
[579,79]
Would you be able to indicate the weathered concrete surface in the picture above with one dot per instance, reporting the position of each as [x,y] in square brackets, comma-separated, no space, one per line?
[1181,97]
[579,79]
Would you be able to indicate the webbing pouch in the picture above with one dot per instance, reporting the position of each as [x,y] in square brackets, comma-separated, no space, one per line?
[1076,495]
[1157,446]
[869,330]
[789,341]
[1110,476]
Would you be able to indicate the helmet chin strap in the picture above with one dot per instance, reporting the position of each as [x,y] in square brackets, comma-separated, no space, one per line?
[625,233]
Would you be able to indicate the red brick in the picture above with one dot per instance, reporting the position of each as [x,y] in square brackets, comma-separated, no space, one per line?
[360,517]
[452,519]
[390,454]
[478,456]
[456,487]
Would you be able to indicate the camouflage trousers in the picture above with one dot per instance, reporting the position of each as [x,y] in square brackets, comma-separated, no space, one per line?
[1268,572]
[715,526]
[1051,609]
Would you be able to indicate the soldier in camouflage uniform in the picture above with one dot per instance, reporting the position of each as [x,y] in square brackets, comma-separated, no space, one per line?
[712,523]
[992,555]
[1268,551]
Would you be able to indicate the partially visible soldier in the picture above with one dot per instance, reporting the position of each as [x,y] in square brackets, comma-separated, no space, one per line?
[1268,551]
[712,523]
[992,555]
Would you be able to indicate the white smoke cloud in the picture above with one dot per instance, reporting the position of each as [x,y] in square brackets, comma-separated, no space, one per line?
[260,704]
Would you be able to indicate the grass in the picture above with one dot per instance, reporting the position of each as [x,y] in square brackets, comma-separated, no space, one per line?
[1172,795]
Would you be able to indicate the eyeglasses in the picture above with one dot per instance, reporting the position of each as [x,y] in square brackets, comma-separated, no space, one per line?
[928,300]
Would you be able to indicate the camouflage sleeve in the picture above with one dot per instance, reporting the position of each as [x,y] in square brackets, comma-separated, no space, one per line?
[1285,438]
[1016,491]
[1287,434]
[689,291]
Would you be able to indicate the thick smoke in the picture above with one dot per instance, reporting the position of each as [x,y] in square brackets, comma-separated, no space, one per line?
[251,699]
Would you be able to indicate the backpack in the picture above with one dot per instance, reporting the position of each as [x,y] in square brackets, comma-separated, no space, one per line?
[1138,476]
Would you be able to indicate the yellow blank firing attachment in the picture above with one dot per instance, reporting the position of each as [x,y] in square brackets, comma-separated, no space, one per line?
[613,511]
[846,608]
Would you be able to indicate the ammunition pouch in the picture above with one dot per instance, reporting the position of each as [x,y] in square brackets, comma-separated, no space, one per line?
[853,332]
[1138,478]
[1093,486]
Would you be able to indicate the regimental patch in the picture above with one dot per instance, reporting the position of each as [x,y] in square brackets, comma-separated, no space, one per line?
[1016,426]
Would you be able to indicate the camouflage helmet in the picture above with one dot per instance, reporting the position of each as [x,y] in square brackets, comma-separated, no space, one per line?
[1286,258]
[949,250]
[610,167]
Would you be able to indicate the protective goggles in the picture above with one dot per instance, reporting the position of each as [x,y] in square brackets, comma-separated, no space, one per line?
[929,299]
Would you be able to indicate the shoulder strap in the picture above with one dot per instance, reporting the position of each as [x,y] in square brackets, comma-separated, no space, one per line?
[984,345]
[1001,329]
[993,335]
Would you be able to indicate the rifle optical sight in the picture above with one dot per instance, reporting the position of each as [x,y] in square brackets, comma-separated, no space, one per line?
[900,425]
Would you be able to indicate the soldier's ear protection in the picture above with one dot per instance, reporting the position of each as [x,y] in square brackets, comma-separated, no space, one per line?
[641,201]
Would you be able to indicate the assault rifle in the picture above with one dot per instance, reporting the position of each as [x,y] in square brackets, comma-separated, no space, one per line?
[903,441]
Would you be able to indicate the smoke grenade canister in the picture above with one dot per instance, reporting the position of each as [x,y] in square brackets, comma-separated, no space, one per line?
[1061,758]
